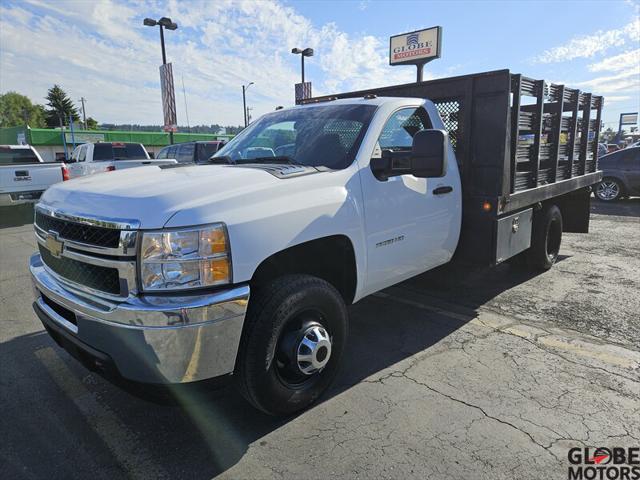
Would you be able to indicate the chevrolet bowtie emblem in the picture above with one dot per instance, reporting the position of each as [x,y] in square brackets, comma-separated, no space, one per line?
[54,245]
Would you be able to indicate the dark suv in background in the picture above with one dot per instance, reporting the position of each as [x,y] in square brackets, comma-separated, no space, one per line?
[191,152]
[621,175]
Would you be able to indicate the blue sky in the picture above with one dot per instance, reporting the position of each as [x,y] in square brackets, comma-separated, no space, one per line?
[100,50]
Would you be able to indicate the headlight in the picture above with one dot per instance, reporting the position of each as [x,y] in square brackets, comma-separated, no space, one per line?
[189,258]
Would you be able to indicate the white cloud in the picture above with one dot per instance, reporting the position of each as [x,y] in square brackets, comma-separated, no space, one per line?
[623,61]
[587,46]
[617,98]
[101,51]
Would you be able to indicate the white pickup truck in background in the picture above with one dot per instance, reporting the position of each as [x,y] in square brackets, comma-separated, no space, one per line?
[24,175]
[91,158]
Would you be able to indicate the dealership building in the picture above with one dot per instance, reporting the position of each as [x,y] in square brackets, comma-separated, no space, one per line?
[51,142]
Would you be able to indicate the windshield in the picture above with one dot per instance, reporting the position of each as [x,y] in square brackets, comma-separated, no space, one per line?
[327,136]
[17,156]
[118,151]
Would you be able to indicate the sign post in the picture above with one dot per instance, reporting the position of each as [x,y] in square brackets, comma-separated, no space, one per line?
[168,99]
[626,119]
[416,48]
[303,91]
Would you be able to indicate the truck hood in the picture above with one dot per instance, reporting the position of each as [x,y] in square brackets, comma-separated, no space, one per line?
[152,195]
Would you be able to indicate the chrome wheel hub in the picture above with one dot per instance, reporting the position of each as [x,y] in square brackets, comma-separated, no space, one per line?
[313,350]
[608,190]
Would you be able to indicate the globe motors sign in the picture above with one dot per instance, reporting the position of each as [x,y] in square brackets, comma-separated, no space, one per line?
[415,48]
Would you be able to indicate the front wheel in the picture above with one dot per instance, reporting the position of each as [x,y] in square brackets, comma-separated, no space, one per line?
[609,190]
[294,335]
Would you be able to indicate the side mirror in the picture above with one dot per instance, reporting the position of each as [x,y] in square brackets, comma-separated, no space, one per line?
[429,153]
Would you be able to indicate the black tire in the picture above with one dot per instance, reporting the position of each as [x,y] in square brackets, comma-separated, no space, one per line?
[609,190]
[545,239]
[269,379]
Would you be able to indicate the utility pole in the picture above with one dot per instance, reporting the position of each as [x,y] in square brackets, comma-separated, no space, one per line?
[84,115]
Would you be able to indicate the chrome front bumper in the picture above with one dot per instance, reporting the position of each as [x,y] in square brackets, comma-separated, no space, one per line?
[150,338]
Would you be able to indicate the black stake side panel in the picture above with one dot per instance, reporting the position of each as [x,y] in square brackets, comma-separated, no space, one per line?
[479,110]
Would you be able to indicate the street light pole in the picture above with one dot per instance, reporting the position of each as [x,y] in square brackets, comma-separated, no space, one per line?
[306,52]
[164,53]
[244,106]
[84,115]
[162,23]
[244,103]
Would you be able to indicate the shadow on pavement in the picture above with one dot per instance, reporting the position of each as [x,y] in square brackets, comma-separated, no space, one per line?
[469,287]
[202,433]
[629,207]
[16,215]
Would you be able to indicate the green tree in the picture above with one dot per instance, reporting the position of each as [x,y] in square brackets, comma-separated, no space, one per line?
[60,107]
[16,109]
[92,123]
[607,136]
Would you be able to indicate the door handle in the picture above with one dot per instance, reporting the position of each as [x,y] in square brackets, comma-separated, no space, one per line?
[442,190]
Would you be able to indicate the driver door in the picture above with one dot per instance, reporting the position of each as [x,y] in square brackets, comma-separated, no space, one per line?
[407,226]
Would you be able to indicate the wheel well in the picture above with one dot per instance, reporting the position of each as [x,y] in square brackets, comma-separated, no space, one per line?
[330,258]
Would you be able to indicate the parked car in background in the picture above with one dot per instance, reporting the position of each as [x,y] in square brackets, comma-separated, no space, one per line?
[602,150]
[191,152]
[24,175]
[91,158]
[612,147]
[621,175]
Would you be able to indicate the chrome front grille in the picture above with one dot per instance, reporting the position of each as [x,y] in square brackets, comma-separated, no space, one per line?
[93,255]
[104,279]
[78,232]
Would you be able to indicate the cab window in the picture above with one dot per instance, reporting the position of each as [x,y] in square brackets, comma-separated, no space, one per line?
[82,153]
[399,130]
[163,153]
[185,153]
[171,152]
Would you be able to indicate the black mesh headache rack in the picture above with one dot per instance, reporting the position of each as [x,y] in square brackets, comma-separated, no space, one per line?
[518,142]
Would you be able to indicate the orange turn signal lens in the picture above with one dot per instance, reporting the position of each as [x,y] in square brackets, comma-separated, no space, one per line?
[215,271]
[212,242]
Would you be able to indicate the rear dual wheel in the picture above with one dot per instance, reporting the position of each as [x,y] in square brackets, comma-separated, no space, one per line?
[546,238]
[294,336]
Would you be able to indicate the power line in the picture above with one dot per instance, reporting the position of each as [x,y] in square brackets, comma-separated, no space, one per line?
[184,94]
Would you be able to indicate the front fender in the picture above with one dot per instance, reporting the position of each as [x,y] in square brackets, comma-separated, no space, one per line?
[294,211]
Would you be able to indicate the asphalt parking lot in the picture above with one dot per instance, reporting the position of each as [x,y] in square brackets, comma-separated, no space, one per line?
[486,374]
